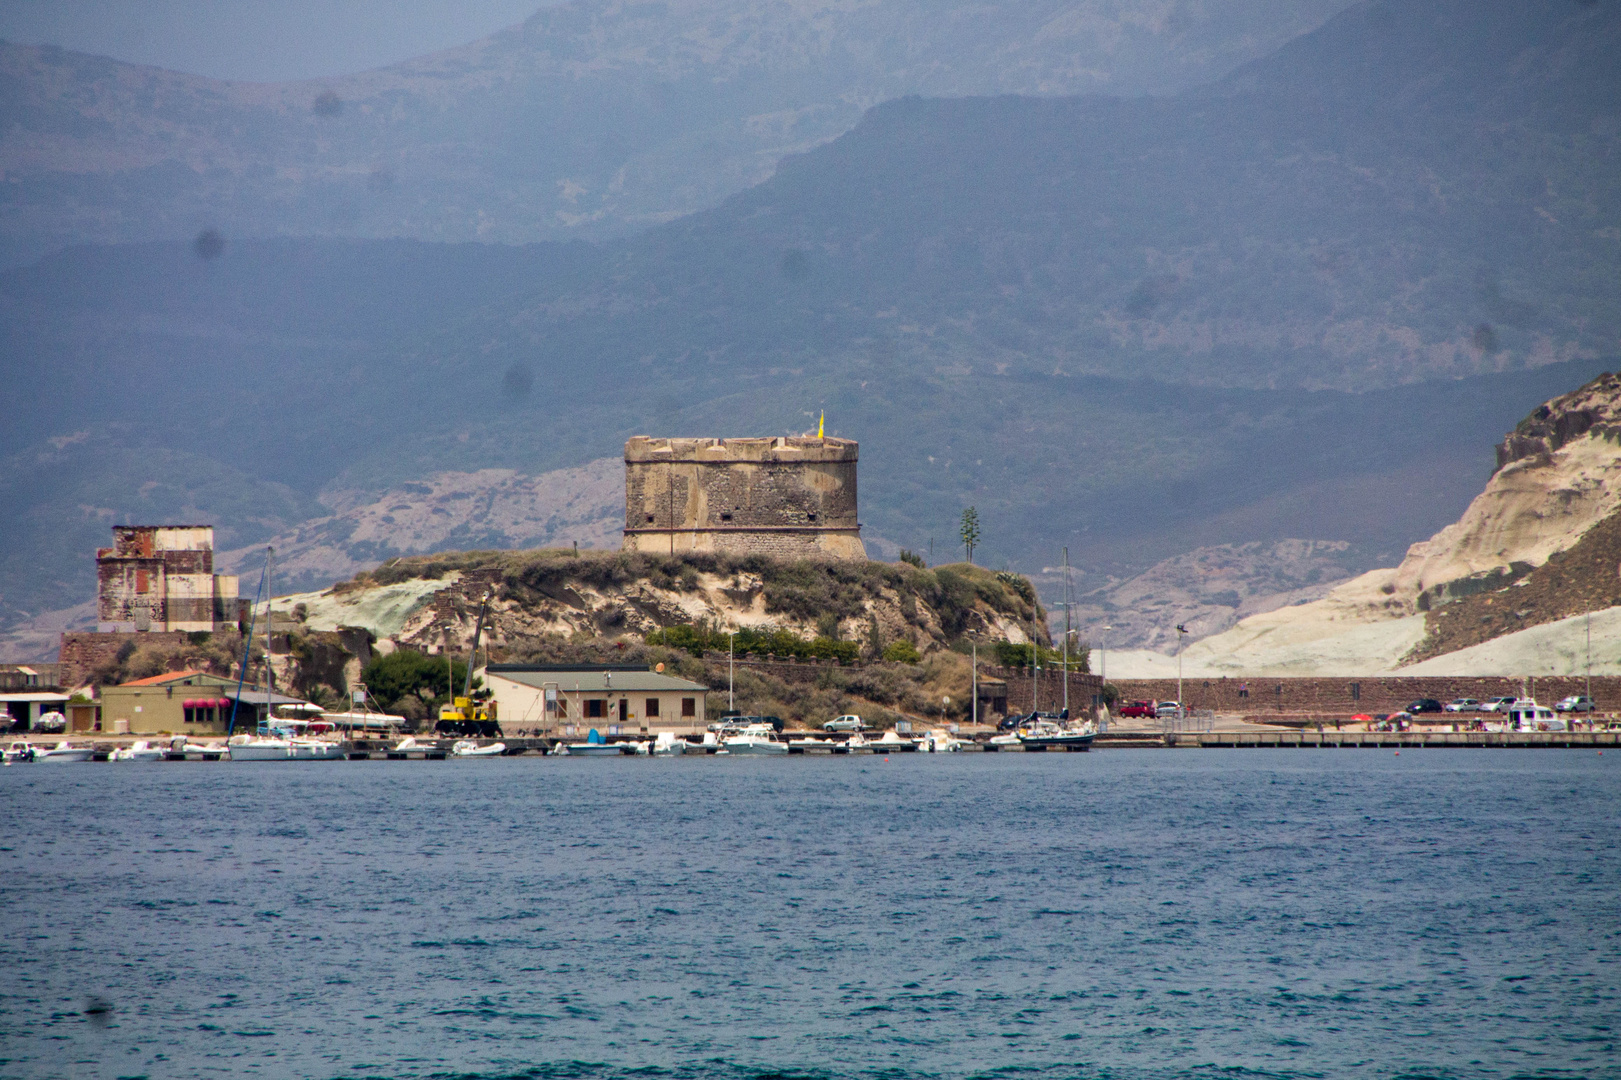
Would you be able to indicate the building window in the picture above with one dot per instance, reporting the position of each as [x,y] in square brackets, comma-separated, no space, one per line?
[652,707]
[595,708]
[562,707]
[689,706]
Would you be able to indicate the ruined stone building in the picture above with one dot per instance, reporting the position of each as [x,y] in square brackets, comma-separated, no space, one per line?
[161,577]
[786,496]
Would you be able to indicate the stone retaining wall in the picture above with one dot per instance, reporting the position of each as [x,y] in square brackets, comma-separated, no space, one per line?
[1347,696]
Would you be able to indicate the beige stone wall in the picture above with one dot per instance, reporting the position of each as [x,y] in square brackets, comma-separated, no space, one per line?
[789,497]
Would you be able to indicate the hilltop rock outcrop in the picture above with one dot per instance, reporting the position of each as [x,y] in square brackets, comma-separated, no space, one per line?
[538,599]
[1542,542]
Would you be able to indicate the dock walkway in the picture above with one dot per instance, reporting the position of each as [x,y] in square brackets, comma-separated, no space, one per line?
[1399,740]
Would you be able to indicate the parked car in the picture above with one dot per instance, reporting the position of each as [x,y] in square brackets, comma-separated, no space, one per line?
[1168,708]
[1424,705]
[844,723]
[1498,704]
[1574,703]
[1463,704]
[1138,708]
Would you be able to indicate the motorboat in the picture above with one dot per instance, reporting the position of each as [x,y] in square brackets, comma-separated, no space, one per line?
[1008,740]
[269,748]
[755,739]
[893,741]
[21,753]
[141,750]
[62,752]
[857,743]
[182,744]
[594,746]
[939,742]
[471,748]
[811,745]
[667,745]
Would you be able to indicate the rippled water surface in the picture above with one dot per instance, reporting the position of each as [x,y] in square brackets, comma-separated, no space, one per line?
[1120,914]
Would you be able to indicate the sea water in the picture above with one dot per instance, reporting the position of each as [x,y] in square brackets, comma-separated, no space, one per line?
[1124,914]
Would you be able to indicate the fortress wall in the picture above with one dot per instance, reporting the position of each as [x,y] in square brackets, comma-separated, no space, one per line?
[789,497]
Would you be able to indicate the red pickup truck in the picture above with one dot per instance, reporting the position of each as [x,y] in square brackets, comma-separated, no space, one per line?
[1138,708]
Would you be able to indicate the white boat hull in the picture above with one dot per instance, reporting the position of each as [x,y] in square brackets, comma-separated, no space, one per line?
[667,745]
[473,750]
[139,752]
[72,753]
[282,750]
[762,749]
[594,750]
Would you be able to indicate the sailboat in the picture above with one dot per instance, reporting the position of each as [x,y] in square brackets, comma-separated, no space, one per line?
[271,747]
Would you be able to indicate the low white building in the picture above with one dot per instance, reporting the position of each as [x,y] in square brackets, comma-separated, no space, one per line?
[617,700]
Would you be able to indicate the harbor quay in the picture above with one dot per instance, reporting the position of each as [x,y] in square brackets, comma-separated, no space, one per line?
[1246,738]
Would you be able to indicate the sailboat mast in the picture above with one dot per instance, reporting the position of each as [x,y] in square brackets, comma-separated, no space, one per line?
[1066,631]
[247,648]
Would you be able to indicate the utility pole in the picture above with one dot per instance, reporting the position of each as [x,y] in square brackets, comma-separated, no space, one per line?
[1103,655]
[731,642]
[1589,655]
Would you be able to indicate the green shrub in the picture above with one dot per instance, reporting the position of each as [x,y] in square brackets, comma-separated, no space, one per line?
[902,652]
[404,671]
[750,642]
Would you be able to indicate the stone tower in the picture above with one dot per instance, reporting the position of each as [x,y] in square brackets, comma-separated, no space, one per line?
[787,496]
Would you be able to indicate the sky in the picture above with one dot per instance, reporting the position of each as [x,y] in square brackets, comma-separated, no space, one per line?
[259,40]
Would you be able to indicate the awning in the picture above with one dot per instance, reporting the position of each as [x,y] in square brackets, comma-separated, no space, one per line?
[259,697]
[59,698]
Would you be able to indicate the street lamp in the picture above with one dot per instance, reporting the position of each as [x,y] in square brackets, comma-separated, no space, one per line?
[1103,655]
[1181,636]
[944,701]
[973,638]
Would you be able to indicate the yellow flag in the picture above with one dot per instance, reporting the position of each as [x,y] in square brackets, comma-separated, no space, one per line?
[821,421]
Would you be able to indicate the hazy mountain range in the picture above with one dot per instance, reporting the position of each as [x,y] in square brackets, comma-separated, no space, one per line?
[1301,301]
[590,118]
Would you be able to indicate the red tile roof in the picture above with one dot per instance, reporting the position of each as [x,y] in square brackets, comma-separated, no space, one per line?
[159,680]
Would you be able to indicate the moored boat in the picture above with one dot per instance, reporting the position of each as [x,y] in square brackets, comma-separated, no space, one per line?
[758,739]
[62,752]
[1048,735]
[21,753]
[471,748]
[594,746]
[141,750]
[269,748]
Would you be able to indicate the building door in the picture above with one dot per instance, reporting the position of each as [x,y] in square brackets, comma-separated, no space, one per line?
[624,711]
